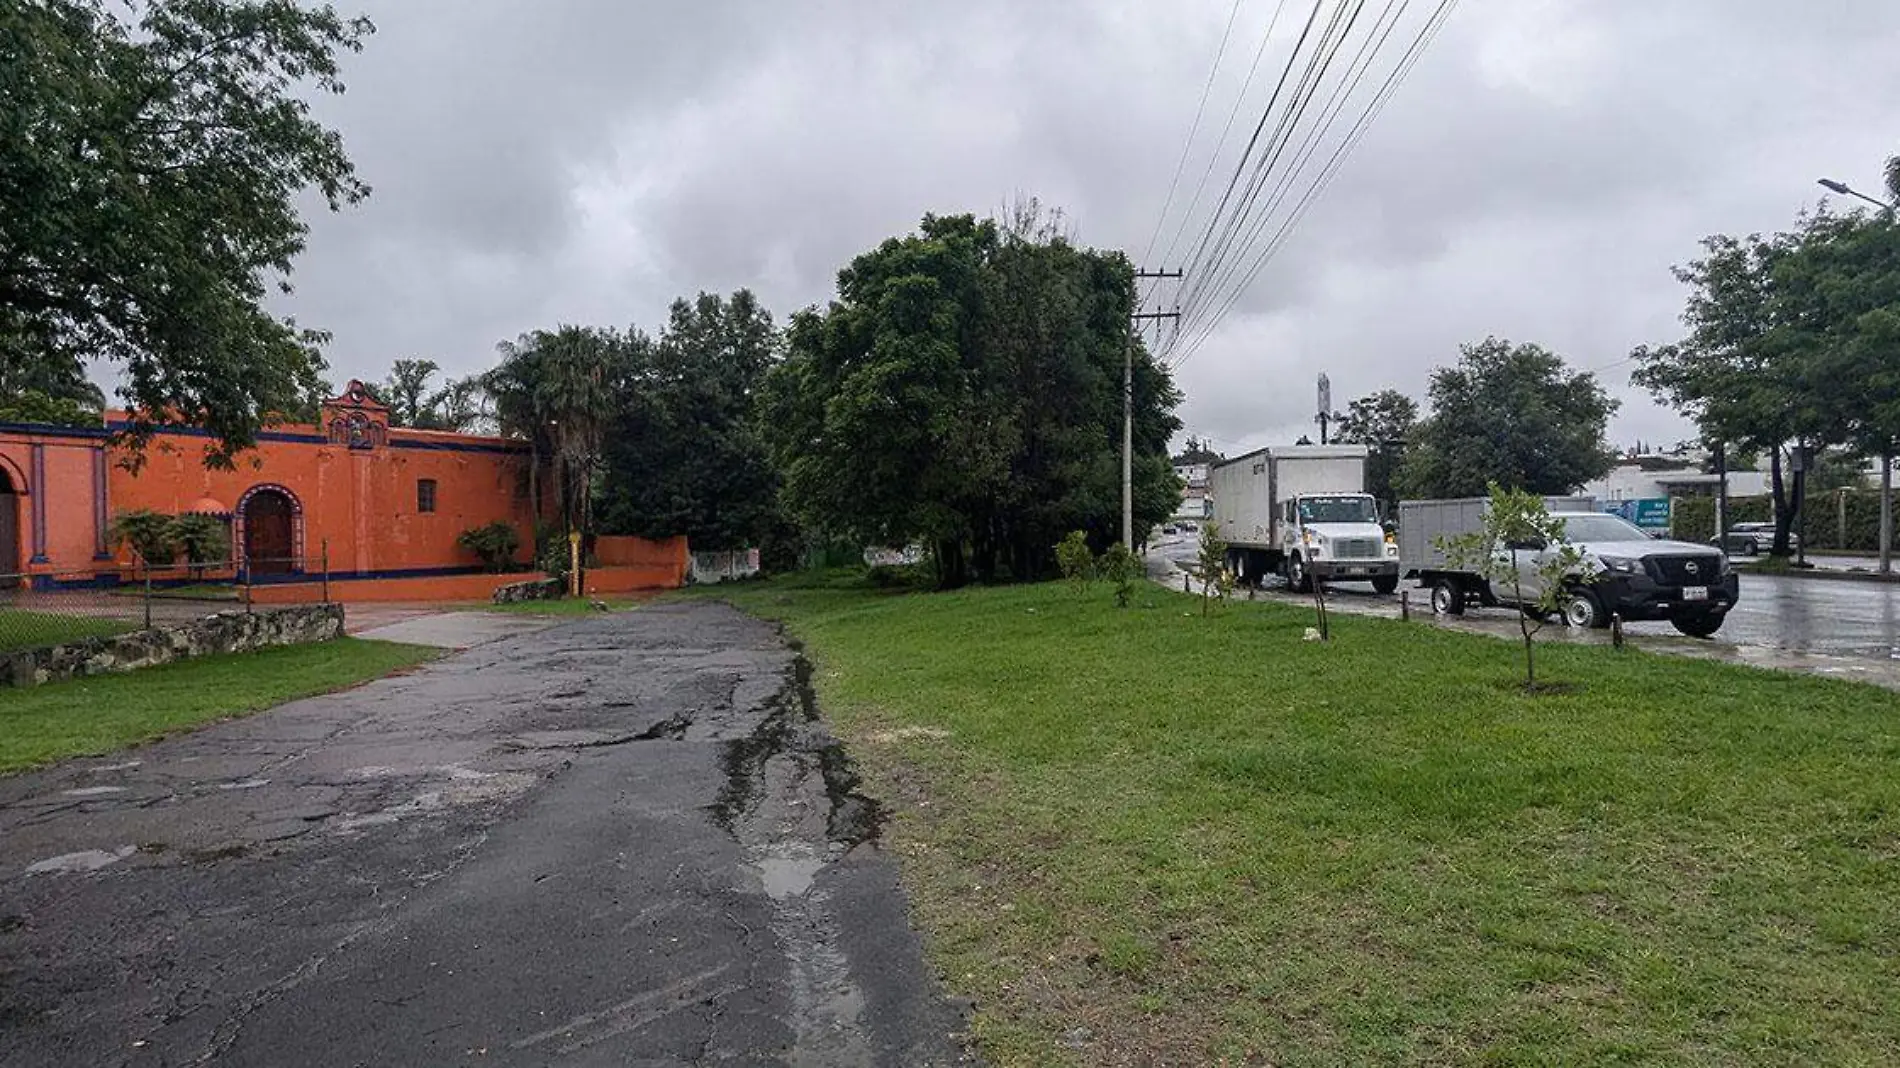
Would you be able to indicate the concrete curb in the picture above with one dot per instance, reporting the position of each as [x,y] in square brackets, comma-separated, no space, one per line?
[1820,574]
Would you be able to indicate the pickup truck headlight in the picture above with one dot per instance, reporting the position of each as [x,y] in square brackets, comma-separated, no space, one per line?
[1620,565]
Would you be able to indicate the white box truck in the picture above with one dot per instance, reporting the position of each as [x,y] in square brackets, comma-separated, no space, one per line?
[1302,511]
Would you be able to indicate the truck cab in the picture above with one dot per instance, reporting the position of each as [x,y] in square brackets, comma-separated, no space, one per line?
[1334,537]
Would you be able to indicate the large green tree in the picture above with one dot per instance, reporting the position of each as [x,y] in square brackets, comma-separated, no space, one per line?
[408,394]
[683,453]
[1508,414]
[1383,422]
[965,390]
[1759,368]
[152,157]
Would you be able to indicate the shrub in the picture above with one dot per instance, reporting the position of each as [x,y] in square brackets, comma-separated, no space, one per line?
[1122,568]
[149,533]
[495,543]
[1211,566]
[204,539]
[1075,559]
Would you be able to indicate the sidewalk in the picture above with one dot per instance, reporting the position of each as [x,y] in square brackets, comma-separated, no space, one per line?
[1822,567]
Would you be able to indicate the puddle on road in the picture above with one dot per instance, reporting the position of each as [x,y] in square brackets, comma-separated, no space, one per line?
[83,861]
[788,870]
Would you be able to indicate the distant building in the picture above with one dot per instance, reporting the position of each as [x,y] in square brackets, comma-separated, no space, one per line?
[1677,474]
[1195,504]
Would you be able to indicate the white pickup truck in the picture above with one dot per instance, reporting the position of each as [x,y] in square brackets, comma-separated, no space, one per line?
[1302,511]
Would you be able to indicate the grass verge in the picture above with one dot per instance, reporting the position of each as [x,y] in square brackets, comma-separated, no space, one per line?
[22,628]
[1144,837]
[106,712]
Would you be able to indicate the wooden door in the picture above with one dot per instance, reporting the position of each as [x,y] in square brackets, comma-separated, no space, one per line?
[267,534]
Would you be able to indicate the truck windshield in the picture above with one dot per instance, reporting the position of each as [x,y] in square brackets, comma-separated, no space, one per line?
[1586,528]
[1338,510]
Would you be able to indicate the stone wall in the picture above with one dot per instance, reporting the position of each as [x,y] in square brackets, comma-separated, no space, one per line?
[226,632]
[546,589]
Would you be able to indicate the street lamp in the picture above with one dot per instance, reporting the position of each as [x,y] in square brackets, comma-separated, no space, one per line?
[1846,190]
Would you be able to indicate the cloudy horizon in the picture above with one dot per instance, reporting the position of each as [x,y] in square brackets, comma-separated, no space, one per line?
[1537,176]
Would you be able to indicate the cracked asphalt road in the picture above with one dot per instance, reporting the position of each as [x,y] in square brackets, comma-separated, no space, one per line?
[625,841]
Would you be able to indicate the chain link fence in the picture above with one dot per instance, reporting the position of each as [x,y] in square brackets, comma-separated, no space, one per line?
[53,608]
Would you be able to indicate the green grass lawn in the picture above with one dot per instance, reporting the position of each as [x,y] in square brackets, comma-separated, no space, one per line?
[22,628]
[107,712]
[1207,841]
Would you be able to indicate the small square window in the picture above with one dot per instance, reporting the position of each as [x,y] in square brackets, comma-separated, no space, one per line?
[425,495]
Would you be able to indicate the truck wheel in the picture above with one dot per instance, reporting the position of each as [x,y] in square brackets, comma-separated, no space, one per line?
[1750,548]
[1582,610]
[1703,626]
[1385,583]
[1448,598]
[1297,578]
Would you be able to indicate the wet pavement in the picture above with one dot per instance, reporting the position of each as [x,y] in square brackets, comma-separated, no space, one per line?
[625,840]
[450,630]
[1841,629]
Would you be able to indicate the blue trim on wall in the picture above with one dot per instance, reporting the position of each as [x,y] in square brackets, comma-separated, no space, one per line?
[94,433]
[48,430]
[319,439]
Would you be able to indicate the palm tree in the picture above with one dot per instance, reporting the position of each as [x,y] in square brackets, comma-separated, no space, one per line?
[554,388]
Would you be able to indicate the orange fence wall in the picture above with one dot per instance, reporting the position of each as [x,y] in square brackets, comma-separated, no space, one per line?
[669,555]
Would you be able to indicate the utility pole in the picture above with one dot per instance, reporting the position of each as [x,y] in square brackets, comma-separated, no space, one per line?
[1128,405]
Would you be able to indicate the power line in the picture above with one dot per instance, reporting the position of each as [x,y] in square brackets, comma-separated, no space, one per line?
[1259,128]
[1193,128]
[1427,33]
[1348,83]
[1232,113]
[1325,52]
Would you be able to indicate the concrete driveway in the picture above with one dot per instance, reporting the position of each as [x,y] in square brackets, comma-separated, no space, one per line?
[626,840]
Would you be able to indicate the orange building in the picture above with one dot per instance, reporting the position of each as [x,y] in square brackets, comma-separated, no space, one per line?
[375,501]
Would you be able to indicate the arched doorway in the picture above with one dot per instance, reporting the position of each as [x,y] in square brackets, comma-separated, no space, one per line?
[270,531]
[9,530]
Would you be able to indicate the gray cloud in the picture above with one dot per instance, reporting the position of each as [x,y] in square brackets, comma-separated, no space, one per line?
[1537,176]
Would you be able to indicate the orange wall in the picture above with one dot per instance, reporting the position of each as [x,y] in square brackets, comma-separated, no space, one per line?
[62,485]
[631,579]
[364,503]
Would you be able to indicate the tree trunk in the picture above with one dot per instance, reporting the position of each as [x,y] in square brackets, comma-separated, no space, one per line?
[1784,514]
[1887,510]
[952,566]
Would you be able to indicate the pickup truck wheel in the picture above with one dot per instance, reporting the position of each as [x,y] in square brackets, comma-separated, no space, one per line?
[1448,598]
[1703,626]
[1750,548]
[1298,579]
[1385,584]
[1582,610]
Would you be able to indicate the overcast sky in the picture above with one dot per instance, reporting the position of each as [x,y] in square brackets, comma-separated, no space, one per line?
[1547,161]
